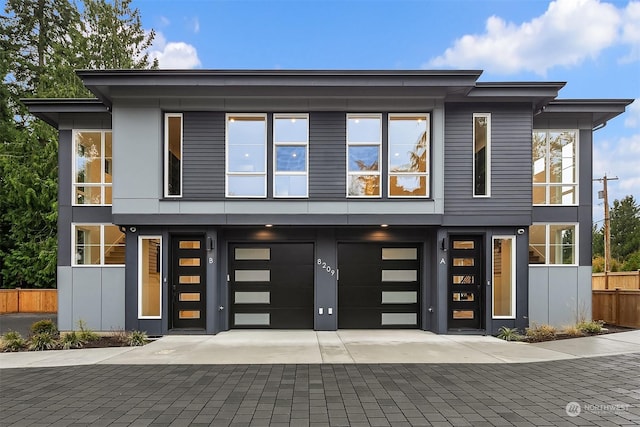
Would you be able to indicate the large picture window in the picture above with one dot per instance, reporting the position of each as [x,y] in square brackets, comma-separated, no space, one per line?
[555,171]
[553,244]
[93,168]
[246,155]
[481,154]
[364,141]
[98,244]
[290,155]
[173,155]
[149,273]
[408,155]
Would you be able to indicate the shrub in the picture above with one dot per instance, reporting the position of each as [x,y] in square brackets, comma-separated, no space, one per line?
[12,341]
[45,326]
[121,336]
[592,327]
[541,333]
[71,340]
[137,338]
[573,331]
[509,334]
[42,341]
[86,334]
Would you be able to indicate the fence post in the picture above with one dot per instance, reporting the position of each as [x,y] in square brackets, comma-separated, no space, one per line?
[616,302]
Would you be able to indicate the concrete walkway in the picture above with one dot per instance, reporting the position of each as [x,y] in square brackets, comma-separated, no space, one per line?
[340,347]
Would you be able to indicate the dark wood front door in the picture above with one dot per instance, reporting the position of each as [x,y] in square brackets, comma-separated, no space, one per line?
[188,282]
[465,279]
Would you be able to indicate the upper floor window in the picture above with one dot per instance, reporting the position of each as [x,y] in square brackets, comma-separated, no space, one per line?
[555,171]
[481,154]
[364,142]
[290,155]
[408,151]
[98,244]
[553,244]
[246,152]
[93,168]
[173,155]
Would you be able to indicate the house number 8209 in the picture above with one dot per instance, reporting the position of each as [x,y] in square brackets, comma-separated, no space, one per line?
[326,267]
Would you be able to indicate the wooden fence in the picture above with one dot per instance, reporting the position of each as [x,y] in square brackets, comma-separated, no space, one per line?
[28,301]
[617,306]
[618,280]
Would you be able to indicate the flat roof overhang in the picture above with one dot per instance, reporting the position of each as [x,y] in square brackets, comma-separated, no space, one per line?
[601,110]
[50,110]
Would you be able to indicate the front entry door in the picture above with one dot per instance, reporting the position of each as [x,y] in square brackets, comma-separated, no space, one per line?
[465,279]
[188,282]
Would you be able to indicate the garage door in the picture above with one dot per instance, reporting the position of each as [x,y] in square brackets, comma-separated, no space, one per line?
[378,286]
[271,285]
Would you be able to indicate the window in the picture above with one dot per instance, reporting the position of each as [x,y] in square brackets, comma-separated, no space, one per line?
[98,244]
[246,155]
[408,150]
[93,168]
[553,244]
[481,154]
[364,141]
[504,277]
[149,273]
[173,155]
[290,156]
[555,171]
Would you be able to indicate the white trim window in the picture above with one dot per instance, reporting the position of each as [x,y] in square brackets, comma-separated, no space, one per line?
[409,145]
[290,155]
[246,155]
[555,167]
[173,150]
[481,154]
[97,245]
[553,244]
[149,277]
[503,271]
[364,145]
[92,167]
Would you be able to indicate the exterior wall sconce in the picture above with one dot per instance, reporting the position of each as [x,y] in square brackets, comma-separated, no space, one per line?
[443,244]
[211,245]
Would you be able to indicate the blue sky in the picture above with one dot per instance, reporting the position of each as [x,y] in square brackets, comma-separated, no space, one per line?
[593,45]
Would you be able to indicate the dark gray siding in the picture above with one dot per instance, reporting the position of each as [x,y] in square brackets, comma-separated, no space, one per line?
[203,151]
[510,201]
[327,156]
[65,162]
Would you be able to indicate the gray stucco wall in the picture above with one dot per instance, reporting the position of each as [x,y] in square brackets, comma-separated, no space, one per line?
[94,295]
[559,295]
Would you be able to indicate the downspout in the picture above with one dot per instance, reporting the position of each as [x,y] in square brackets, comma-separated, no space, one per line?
[599,127]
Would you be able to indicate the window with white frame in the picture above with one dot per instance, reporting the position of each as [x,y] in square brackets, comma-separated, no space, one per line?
[408,155]
[555,167]
[364,142]
[93,167]
[290,155]
[149,273]
[504,277]
[246,151]
[481,154]
[97,244]
[173,155]
[553,244]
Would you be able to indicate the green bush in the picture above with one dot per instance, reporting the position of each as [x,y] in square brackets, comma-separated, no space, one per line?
[45,326]
[42,341]
[137,338]
[71,340]
[12,341]
[509,334]
[593,327]
[86,334]
[541,333]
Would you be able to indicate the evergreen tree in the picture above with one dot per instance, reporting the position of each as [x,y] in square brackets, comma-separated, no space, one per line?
[625,228]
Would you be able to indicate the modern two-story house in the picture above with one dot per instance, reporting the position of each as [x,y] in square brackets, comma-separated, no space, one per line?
[198,201]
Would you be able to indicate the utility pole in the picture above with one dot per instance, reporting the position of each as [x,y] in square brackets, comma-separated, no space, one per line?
[607,227]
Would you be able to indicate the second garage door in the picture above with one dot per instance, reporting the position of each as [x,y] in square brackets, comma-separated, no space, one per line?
[378,285]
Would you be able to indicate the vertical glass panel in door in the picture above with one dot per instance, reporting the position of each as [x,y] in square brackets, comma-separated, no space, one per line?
[150,284]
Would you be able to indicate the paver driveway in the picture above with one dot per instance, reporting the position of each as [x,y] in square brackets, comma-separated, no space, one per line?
[606,390]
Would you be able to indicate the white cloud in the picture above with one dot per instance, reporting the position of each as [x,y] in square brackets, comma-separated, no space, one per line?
[195,25]
[569,32]
[173,55]
[632,114]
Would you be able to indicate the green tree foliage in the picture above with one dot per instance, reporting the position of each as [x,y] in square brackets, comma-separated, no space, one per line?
[625,228]
[42,42]
[597,241]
